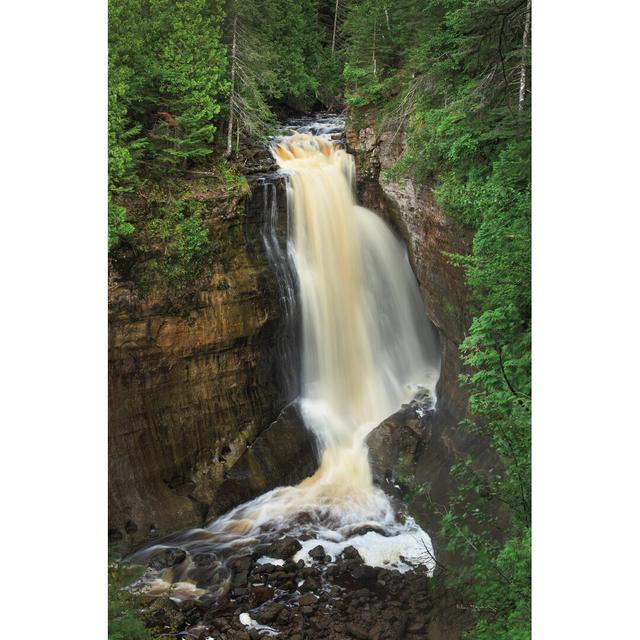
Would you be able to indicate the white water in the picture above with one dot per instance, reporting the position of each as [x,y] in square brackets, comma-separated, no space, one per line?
[367,344]
[367,348]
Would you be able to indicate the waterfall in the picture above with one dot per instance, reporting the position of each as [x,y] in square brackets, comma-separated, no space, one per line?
[367,348]
[287,348]
[366,342]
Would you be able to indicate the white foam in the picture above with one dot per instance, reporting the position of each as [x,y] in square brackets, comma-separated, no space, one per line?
[268,560]
[409,548]
[249,622]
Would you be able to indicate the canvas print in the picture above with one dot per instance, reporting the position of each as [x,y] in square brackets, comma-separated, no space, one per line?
[319,319]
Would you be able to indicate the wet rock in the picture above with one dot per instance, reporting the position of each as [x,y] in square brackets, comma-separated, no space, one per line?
[283,454]
[240,579]
[197,632]
[367,528]
[261,594]
[259,550]
[350,553]
[357,631]
[317,553]
[290,566]
[242,564]
[268,613]
[165,558]
[284,548]
[364,573]
[289,585]
[204,559]
[307,599]
[267,567]
[311,584]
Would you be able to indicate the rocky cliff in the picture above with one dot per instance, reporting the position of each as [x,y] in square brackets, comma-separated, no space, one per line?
[193,382]
[420,443]
[429,235]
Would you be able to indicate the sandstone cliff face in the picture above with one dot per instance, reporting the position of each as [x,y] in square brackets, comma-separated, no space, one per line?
[429,236]
[191,384]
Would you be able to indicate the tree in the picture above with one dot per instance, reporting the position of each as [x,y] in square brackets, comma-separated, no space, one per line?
[187,69]
[253,82]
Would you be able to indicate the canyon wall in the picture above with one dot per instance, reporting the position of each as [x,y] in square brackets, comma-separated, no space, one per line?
[429,235]
[192,382]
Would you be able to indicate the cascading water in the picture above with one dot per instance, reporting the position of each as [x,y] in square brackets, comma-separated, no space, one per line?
[367,348]
[287,338]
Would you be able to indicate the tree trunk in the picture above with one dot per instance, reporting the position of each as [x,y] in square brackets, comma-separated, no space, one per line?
[335,26]
[373,55]
[233,87]
[523,63]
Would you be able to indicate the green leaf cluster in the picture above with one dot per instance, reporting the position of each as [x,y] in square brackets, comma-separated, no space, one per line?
[187,248]
[170,89]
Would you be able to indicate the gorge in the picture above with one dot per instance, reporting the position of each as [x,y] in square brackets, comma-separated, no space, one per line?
[353,344]
[319,331]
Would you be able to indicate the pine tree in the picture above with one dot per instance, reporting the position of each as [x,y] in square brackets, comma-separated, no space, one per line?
[188,69]
[253,81]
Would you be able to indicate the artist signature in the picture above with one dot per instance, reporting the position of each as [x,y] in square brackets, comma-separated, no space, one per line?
[475,607]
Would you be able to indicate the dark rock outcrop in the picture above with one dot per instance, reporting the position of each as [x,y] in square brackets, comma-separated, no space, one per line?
[416,448]
[336,601]
[281,455]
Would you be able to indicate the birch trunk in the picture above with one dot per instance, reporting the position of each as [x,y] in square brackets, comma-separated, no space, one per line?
[373,55]
[523,63]
[233,87]
[335,26]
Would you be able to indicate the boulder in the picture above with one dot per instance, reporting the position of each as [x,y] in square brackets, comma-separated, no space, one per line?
[165,558]
[283,454]
[350,553]
[317,553]
[284,548]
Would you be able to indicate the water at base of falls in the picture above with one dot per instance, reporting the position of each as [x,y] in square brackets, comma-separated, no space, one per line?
[367,348]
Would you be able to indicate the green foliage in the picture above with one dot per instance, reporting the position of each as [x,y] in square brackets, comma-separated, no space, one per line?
[236,182]
[187,249]
[166,78]
[119,227]
[125,622]
[187,68]
[170,88]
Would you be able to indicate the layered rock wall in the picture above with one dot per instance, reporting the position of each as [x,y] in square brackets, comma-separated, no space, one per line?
[191,383]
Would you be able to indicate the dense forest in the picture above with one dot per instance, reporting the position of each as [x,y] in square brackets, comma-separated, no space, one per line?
[194,82]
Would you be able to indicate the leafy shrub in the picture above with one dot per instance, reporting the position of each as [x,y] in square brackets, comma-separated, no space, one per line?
[186,247]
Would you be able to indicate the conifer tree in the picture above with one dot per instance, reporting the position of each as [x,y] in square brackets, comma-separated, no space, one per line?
[253,81]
